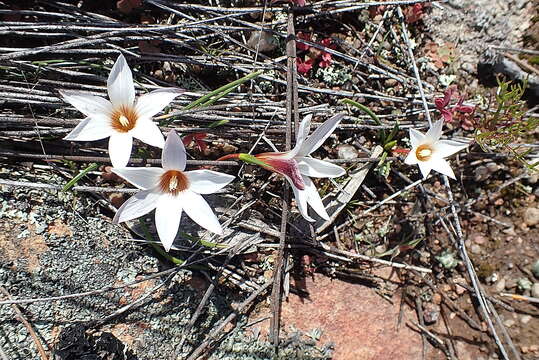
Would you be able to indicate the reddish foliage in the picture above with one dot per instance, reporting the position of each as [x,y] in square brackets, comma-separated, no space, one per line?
[304,66]
[126,6]
[303,36]
[199,140]
[459,110]
[326,57]
[413,13]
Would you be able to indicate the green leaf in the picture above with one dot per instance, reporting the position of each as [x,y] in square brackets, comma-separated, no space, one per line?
[382,133]
[79,176]
[215,95]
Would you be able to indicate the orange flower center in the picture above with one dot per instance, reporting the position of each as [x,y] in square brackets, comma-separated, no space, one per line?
[173,182]
[124,118]
[423,152]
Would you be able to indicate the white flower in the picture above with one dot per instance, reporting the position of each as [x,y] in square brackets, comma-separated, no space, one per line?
[428,151]
[121,118]
[170,190]
[297,166]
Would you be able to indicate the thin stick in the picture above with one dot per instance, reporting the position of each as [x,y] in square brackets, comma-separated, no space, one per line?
[221,324]
[473,277]
[412,60]
[27,325]
[91,292]
[291,109]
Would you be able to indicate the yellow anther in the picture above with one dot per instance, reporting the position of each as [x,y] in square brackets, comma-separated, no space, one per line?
[173,184]
[124,120]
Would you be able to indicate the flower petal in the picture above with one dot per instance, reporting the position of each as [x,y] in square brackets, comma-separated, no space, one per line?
[144,178]
[411,159]
[319,168]
[303,132]
[435,131]
[120,149]
[320,135]
[207,181]
[416,138]
[442,166]
[198,209]
[90,129]
[301,200]
[313,198]
[137,205]
[445,148]
[150,104]
[168,215]
[120,84]
[174,156]
[89,105]
[425,167]
[148,132]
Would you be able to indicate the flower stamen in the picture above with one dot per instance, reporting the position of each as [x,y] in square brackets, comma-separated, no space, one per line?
[173,182]
[423,152]
[124,119]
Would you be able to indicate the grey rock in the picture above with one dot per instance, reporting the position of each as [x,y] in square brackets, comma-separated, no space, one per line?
[535,268]
[535,290]
[531,216]
[500,285]
[347,152]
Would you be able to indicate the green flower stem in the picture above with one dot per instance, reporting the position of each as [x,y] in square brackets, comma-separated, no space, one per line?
[252,160]
[79,176]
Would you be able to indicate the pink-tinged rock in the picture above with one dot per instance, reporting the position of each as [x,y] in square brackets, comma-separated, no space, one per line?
[360,323]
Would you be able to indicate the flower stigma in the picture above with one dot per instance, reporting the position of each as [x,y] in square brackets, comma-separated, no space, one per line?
[423,152]
[124,119]
[173,182]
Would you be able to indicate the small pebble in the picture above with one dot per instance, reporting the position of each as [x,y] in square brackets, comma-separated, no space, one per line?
[535,290]
[500,285]
[535,268]
[431,313]
[509,322]
[531,216]
[479,239]
[476,249]
[524,284]
[347,152]
[525,319]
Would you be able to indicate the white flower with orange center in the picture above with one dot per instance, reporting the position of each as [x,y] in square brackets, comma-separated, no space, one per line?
[297,166]
[428,151]
[170,190]
[121,119]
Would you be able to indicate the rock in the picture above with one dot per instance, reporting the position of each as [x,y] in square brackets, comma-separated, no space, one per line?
[347,152]
[431,313]
[535,268]
[476,249]
[265,43]
[531,216]
[481,173]
[509,322]
[500,285]
[525,319]
[524,284]
[479,239]
[459,289]
[390,83]
[535,290]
